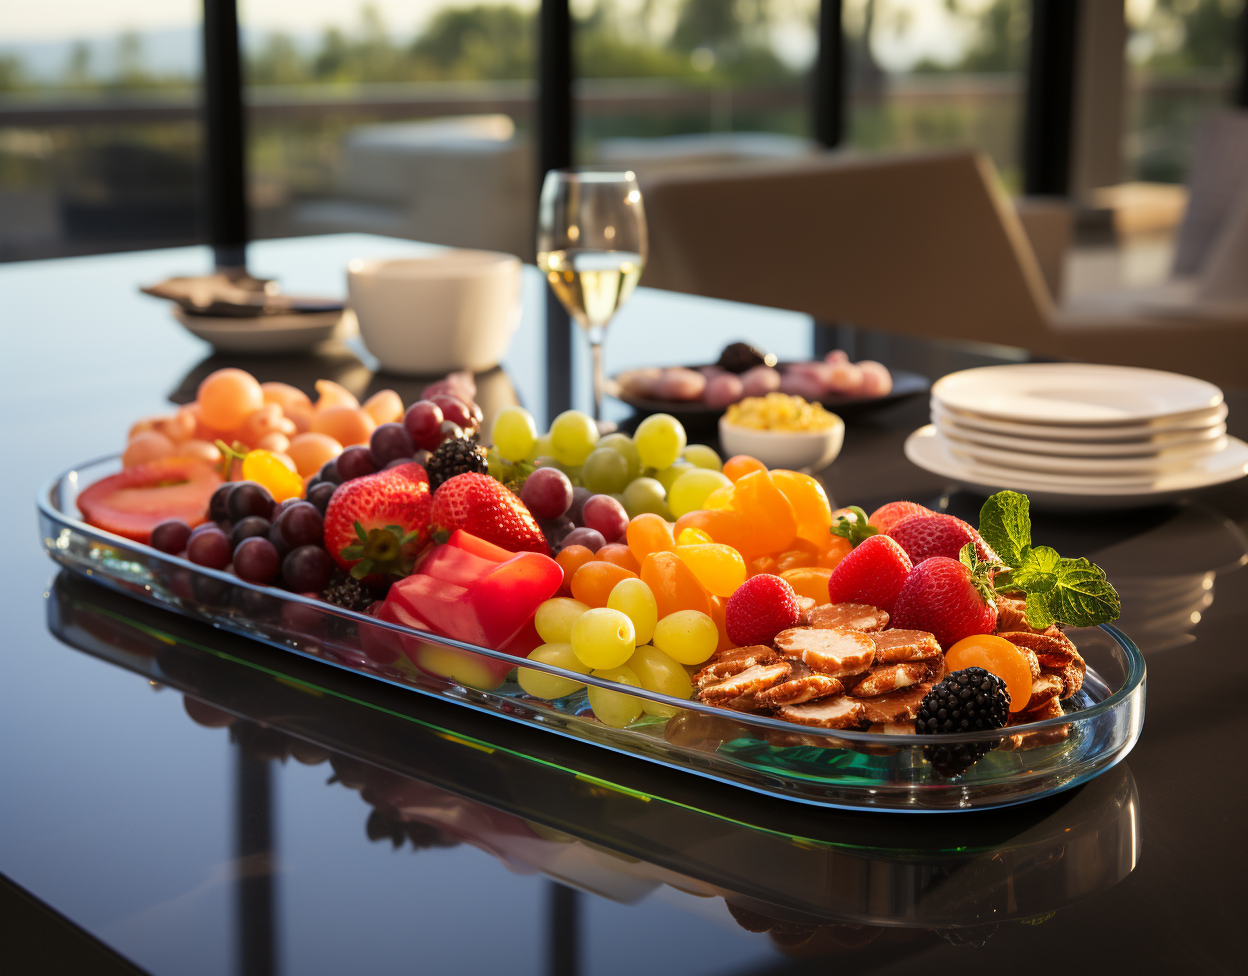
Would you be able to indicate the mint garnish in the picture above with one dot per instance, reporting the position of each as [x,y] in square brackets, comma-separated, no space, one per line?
[1058,590]
[856,529]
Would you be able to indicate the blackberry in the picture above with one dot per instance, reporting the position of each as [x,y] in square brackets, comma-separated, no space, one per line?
[737,357]
[970,700]
[348,592]
[455,456]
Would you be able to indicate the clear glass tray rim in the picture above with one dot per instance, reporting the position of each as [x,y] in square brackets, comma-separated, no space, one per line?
[1133,657]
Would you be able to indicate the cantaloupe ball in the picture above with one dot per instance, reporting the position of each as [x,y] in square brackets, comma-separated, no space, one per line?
[199,450]
[346,425]
[309,451]
[144,424]
[330,395]
[277,442]
[385,407]
[150,445]
[289,398]
[181,426]
[228,397]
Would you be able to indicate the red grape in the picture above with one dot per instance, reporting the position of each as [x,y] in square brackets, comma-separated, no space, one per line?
[218,507]
[301,525]
[454,409]
[390,441]
[576,512]
[250,526]
[547,493]
[210,548]
[604,513]
[423,421]
[319,495]
[591,539]
[329,472]
[256,560]
[249,498]
[307,568]
[356,462]
[171,536]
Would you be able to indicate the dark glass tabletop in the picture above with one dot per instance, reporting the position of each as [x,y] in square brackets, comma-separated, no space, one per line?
[201,803]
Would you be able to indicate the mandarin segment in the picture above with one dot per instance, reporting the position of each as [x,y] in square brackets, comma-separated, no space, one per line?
[673,584]
[998,656]
[810,504]
[809,581]
[775,525]
[649,533]
[719,568]
[594,580]
[740,465]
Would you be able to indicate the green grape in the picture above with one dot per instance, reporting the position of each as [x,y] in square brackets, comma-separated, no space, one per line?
[605,471]
[701,456]
[612,707]
[551,686]
[572,436]
[623,444]
[667,476]
[689,636]
[603,638]
[499,469]
[646,495]
[689,491]
[514,433]
[541,448]
[554,619]
[660,438]
[659,672]
[634,599]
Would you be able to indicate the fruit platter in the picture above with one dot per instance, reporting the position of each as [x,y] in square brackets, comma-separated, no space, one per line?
[636,592]
[696,395]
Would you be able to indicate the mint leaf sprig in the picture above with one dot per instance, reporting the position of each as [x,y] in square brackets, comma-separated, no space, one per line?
[1075,592]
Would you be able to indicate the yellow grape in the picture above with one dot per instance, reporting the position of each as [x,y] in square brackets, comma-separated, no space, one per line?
[634,599]
[659,672]
[555,617]
[603,638]
[551,686]
[690,636]
[612,707]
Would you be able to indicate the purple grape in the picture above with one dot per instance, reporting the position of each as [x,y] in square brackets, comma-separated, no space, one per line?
[249,498]
[577,509]
[302,525]
[556,530]
[329,472]
[171,536]
[204,527]
[390,442]
[454,409]
[321,494]
[252,525]
[356,462]
[282,506]
[547,493]
[604,513]
[218,507]
[210,548]
[275,537]
[256,560]
[591,539]
[307,569]
[423,422]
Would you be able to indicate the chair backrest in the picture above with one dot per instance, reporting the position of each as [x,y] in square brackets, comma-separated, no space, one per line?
[916,244]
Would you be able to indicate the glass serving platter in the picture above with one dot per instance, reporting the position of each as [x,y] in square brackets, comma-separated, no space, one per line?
[847,770]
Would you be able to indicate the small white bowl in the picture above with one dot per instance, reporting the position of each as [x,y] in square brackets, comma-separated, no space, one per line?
[788,449]
[449,311]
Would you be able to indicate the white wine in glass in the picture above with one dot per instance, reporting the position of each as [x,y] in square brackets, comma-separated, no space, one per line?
[591,245]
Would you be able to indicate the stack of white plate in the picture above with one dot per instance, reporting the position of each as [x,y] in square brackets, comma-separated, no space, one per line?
[1077,435]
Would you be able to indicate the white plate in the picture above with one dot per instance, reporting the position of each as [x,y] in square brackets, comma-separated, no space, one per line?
[926,448]
[1078,394]
[1200,421]
[267,334]
[1047,463]
[1178,444]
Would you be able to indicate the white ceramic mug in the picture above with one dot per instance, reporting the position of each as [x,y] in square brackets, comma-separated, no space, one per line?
[423,316]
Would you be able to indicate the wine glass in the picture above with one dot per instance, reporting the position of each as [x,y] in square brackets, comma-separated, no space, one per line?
[591,244]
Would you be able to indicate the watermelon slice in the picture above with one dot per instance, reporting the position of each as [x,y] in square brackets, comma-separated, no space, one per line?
[138,499]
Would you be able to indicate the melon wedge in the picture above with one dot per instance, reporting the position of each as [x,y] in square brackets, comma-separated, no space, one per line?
[138,499]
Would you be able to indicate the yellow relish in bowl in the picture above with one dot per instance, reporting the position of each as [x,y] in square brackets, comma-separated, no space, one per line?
[780,411]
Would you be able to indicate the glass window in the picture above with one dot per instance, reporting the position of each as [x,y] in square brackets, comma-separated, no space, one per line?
[1184,62]
[394,118]
[672,83]
[936,74]
[99,130]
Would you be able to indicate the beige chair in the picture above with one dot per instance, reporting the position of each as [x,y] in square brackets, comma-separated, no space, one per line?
[921,245]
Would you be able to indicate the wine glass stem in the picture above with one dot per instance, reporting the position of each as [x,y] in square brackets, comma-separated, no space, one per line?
[595,351]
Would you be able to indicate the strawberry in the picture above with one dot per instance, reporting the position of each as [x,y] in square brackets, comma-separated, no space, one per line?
[760,608]
[946,598]
[938,535]
[886,516]
[480,505]
[873,573]
[376,525]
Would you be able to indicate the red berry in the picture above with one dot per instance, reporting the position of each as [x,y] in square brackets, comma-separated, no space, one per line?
[760,608]
[938,535]
[886,516]
[481,506]
[941,597]
[397,497]
[873,573]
